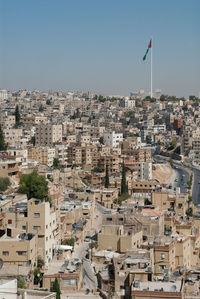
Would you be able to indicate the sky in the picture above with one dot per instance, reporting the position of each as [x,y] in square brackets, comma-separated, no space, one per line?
[98,46]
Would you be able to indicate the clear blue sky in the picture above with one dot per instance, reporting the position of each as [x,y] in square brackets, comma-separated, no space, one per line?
[98,45]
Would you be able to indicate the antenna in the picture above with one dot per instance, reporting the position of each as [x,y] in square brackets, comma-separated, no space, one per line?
[1,263]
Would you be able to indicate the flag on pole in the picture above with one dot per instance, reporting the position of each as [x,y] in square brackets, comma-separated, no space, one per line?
[149,46]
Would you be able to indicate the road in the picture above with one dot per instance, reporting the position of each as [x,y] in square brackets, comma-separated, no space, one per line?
[183,174]
[183,177]
[196,186]
[183,170]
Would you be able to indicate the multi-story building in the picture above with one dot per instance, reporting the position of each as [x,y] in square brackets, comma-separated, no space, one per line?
[13,137]
[43,155]
[18,248]
[48,135]
[42,222]
[145,171]
[112,139]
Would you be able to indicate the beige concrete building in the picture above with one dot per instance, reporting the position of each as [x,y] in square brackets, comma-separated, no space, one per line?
[48,135]
[18,248]
[114,237]
[8,166]
[13,137]
[43,155]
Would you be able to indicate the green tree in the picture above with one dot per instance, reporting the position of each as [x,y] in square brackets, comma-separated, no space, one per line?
[17,116]
[56,288]
[34,185]
[40,262]
[41,108]
[21,284]
[107,183]
[101,140]
[171,162]
[4,184]
[48,102]
[69,242]
[32,141]
[3,145]
[56,163]
[189,212]
[173,143]
[37,276]
[124,187]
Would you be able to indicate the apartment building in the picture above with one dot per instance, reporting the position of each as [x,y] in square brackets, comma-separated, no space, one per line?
[112,139]
[18,248]
[114,237]
[164,253]
[13,137]
[138,155]
[113,162]
[145,171]
[42,222]
[8,166]
[7,121]
[43,155]
[48,135]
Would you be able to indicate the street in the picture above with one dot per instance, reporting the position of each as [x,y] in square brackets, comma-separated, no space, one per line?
[196,186]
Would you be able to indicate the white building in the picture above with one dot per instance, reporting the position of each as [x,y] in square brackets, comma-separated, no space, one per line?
[127,103]
[112,139]
[42,222]
[3,95]
[144,171]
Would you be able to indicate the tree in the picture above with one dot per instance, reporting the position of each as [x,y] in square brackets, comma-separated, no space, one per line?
[69,242]
[3,145]
[189,212]
[107,183]
[173,143]
[124,187]
[56,288]
[48,102]
[40,262]
[101,140]
[56,163]
[21,284]
[41,108]
[171,162]
[34,185]
[32,141]
[4,184]
[17,116]
[37,276]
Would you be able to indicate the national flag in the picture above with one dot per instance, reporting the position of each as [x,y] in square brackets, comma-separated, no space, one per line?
[149,47]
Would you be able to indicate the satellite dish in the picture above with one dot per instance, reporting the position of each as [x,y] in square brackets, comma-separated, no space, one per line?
[1,263]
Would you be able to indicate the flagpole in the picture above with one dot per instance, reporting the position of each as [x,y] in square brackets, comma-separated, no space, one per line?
[151,67]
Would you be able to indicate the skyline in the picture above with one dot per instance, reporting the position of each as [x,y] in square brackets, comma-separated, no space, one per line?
[97,47]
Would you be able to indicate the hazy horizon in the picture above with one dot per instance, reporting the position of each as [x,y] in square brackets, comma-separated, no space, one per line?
[98,46]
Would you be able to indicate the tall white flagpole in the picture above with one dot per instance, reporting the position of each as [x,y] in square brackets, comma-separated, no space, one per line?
[151,68]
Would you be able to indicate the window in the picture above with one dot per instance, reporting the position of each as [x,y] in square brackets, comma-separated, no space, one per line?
[24,227]
[5,253]
[69,282]
[21,253]
[37,215]
[162,267]
[36,227]
[162,256]
[9,221]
